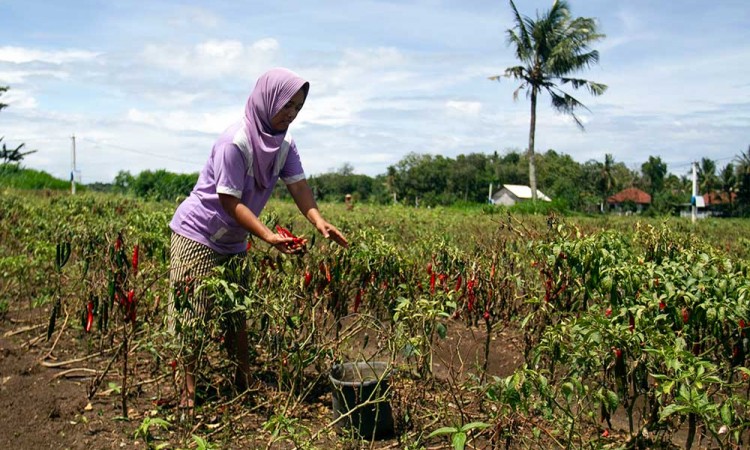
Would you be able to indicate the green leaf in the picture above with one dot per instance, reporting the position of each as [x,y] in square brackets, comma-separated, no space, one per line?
[441,431]
[672,409]
[459,440]
[441,330]
[726,413]
[474,426]
[612,400]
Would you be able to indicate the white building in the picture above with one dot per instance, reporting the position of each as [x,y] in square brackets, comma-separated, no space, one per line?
[510,194]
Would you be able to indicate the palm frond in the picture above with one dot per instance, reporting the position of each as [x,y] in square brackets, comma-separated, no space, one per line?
[567,104]
[521,25]
[520,88]
[593,88]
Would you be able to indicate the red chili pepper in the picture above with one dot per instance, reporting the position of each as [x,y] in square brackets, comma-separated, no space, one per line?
[662,306]
[89,315]
[618,353]
[470,291]
[742,323]
[357,300]
[286,233]
[307,278]
[432,283]
[486,315]
[131,306]
[429,268]
[135,259]
[118,242]
[459,282]
[685,315]
[608,312]
[249,246]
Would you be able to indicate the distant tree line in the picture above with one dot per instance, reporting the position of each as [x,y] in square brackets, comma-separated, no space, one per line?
[152,185]
[432,180]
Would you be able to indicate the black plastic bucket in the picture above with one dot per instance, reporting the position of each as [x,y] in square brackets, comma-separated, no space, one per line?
[353,385]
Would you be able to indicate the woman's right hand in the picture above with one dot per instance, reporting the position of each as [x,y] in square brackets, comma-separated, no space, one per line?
[286,244]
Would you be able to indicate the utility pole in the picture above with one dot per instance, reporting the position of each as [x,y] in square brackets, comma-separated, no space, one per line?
[695,192]
[73,167]
[489,196]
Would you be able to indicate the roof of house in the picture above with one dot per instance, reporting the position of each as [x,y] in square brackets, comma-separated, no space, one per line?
[719,198]
[524,192]
[632,194]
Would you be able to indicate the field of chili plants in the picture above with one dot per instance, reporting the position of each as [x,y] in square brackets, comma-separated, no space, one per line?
[498,331]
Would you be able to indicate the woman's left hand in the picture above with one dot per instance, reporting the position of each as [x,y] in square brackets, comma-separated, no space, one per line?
[330,232]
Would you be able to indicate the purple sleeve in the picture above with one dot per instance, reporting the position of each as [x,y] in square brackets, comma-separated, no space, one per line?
[292,171]
[229,170]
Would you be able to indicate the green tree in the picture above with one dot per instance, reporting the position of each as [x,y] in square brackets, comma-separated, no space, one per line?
[123,182]
[654,172]
[707,180]
[3,89]
[334,186]
[11,157]
[422,179]
[728,183]
[562,179]
[550,48]
[510,169]
[743,181]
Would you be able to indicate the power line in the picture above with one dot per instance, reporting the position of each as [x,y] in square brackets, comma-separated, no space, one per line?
[104,146]
[689,164]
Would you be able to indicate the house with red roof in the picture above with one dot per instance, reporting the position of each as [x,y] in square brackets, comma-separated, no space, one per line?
[629,200]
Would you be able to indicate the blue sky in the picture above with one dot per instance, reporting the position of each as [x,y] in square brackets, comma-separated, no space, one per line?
[149,85]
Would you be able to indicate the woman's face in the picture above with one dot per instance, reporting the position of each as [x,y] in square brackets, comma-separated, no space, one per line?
[287,114]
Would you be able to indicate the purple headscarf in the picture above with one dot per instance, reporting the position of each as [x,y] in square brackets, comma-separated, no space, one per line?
[272,91]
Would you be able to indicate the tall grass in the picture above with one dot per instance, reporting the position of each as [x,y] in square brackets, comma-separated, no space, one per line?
[12,176]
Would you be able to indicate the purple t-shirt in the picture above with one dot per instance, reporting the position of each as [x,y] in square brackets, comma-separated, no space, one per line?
[229,171]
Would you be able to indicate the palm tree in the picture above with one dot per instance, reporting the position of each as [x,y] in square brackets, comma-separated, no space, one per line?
[743,162]
[727,180]
[707,180]
[743,180]
[607,178]
[550,48]
[2,90]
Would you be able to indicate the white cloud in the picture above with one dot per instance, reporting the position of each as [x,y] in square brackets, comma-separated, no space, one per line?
[19,99]
[20,55]
[463,107]
[189,17]
[14,77]
[213,58]
[210,123]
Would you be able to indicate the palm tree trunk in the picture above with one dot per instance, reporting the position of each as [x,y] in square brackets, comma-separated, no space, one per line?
[532,130]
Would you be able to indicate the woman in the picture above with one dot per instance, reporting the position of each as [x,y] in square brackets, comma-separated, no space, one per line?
[210,227]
